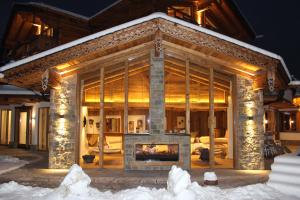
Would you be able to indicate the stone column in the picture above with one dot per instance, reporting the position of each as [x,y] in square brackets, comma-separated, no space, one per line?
[157,93]
[250,131]
[62,132]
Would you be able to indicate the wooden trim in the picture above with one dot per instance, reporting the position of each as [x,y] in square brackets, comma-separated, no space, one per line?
[235,123]
[77,118]
[187,96]
[211,121]
[101,134]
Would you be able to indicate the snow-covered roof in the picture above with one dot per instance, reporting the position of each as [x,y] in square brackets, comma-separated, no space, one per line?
[14,90]
[108,7]
[294,83]
[138,21]
[58,9]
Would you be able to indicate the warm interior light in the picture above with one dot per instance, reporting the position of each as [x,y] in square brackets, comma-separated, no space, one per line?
[39,29]
[63,66]
[266,121]
[146,100]
[296,101]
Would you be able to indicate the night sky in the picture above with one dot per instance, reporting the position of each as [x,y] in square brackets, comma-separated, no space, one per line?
[276,22]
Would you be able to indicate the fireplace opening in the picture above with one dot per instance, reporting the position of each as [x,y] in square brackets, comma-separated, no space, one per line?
[157,152]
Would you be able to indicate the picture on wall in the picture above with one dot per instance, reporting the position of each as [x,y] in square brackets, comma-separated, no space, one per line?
[136,123]
[139,126]
[131,126]
[180,122]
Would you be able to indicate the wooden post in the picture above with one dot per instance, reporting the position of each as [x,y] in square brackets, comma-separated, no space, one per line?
[126,98]
[101,128]
[187,96]
[211,121]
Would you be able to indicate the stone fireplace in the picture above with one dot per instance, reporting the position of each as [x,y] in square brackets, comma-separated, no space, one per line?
[176,146]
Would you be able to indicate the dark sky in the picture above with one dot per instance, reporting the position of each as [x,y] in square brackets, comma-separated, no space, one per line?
[278,22]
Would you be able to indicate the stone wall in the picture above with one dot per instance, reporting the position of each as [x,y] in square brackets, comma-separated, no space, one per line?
[249,134]
[62,132]
[157,94]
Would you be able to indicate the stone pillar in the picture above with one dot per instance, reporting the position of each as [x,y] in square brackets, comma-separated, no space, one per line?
[250,131]
[157,93]
[62,134]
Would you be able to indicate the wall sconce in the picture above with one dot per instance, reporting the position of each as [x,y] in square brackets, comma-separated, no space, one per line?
[60,116]
[266,121]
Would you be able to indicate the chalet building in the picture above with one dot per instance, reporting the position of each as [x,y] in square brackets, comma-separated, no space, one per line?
[141,85]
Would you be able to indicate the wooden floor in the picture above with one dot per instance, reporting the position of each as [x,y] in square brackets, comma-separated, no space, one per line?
[111,161]
[196,163]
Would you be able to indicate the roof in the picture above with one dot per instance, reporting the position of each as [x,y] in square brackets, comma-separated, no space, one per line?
[138,21]
[57,9]
[14,90]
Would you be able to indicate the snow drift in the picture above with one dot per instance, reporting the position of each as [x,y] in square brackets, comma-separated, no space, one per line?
[285,175]
[76,186]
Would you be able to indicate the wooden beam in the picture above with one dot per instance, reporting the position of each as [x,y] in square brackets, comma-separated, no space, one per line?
[126,98]
[211,121]
[217,63]
[187,96]
[195,75]
[101,133]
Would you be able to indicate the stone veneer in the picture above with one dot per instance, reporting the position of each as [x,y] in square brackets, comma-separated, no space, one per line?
[63,124]
[249,138]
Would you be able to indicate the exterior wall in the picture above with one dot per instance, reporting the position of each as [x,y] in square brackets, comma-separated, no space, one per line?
[62,134]
[250,129]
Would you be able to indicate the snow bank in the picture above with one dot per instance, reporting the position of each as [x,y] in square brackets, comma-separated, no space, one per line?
[285,174]
[76,186]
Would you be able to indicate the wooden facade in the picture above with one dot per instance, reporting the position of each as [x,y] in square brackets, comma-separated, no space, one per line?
[35,27]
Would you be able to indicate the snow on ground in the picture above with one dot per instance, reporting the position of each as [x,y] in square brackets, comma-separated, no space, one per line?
[285,174]
[8,163]
[75,186]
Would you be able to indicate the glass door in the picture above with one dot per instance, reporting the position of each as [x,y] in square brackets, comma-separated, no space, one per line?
[23,127]
[5,126]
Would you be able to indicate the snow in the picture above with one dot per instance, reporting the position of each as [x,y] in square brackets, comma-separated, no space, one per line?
[210,176]
[142,20]
[285,175]
[76,186]
[8,163]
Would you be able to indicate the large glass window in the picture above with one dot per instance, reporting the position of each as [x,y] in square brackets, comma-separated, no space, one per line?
[175,91]
[5,123]
[138,99]
[114,115]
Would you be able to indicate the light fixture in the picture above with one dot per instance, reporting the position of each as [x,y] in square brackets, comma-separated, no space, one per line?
[266,121]
[296,98]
